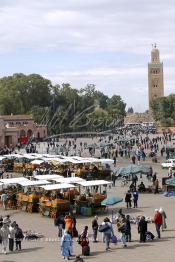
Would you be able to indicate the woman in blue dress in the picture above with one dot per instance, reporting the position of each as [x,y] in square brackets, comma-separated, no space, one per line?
[66,244]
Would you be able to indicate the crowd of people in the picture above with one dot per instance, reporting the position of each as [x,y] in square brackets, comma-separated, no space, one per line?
[11,235]
[67,231]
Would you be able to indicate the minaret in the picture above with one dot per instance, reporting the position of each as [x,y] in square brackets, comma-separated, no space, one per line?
[155,76]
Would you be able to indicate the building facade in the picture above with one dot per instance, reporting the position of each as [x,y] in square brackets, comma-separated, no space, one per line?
[155,76]
[19,128]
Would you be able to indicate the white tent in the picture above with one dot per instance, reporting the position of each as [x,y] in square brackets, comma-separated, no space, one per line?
[15,180]
[57,186]
[71,180]
[33,183]
[2,157]
[10,156]
[37,162]
[94,183]
[29,156]
[106,161]
[47,177]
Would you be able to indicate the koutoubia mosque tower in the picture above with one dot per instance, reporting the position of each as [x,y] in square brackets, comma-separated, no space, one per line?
[155,76]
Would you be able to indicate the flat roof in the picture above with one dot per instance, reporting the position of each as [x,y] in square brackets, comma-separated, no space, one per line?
[73,180]
[14,180]
[33,182]
[37,162]
[47,177]
[16,117]
[94,183]
[57,186]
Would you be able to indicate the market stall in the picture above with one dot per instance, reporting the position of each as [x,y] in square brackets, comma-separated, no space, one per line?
[52,203]
[29,200]
[89,201]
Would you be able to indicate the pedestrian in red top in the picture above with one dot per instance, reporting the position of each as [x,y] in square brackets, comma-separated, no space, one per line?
[158,221]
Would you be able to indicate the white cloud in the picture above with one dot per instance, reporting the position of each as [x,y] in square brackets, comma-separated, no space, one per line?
[127,26]
[87,25]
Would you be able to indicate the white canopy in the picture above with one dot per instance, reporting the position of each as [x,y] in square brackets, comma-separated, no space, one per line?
[2,157]
[15,180]
[37,162]
[57,186]
[29,156]
[10,156]
[106,161]
[94,183]
[47,177]
[33,182]
[68,180]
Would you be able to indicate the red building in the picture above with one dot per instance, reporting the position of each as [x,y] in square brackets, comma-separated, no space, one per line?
[19,128]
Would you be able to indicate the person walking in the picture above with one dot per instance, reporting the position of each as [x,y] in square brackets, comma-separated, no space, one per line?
[66,244]
[134,180]
[59,222]
[18,237]
[7,220]
[154,178]
[69,224]
[108,232]
[4,200]
[115,160]
[95,228]
[156,185]
[121,225]
[4,232]
[164,217]
[11,237]
[158,221]
[133,158]
[142,229]
[128,199]
[84,242]
[135,198]
[128,229]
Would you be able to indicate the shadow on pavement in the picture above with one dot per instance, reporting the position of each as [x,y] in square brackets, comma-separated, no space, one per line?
[26,250]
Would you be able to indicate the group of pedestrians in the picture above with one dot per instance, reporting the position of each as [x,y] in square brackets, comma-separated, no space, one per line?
[11,235]
[129,197]
[107,227]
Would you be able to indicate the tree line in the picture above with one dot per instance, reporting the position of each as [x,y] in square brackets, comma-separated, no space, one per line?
[61,107]
[163,109]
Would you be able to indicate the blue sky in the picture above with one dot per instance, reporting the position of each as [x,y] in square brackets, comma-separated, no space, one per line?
[103,42]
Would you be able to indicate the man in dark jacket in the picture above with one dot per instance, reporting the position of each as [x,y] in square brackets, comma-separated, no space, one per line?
[128,229]
[128,199]
[59,222]
[18,237]
[95,228]
[142,229]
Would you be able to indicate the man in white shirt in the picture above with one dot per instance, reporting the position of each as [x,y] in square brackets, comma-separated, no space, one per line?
[11,237]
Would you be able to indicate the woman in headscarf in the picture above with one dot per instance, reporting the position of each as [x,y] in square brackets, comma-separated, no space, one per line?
[66,244]
[164,217]
[83,239]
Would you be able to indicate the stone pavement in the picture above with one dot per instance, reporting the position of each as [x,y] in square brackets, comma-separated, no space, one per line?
[47,249]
